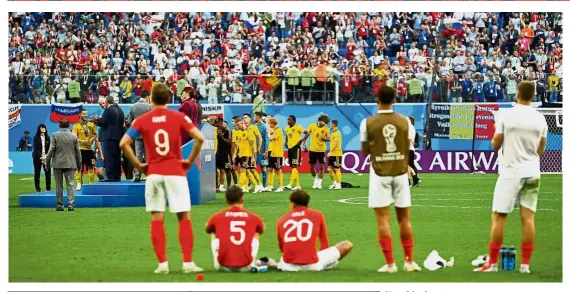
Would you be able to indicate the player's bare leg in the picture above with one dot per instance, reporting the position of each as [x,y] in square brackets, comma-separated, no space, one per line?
[497,233]
[254,178]
[186,238]
[344,248]
[228,177]
[270,178]
[314,174]
[385,238]
[158,237]
[235,177]
[527,245]
[407,239]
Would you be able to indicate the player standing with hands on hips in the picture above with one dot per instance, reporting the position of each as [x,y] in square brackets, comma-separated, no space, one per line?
[161,130]
[385,137]
[520,135]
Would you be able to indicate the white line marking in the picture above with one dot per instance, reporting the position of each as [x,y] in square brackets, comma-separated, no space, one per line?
[27,178]
[350,202]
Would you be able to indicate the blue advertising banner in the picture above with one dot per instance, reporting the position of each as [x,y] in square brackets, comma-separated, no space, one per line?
[348,116]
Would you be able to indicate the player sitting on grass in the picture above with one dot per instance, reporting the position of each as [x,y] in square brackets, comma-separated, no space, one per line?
[161,131]
[335,157]
[521,134]
[298,232]
[235,234]
[276,159]
[320,134]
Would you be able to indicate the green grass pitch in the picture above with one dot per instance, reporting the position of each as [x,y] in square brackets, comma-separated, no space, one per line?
[451,213]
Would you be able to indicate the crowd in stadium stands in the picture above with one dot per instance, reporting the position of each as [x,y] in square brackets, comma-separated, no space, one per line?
[236,57]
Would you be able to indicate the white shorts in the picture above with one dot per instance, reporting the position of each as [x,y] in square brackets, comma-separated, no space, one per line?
[511,192]
[387,190]
[328,259]
[216,247]
[162,188]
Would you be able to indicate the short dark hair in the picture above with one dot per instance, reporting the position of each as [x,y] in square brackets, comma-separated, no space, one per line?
[526,90]
[160,94]
[300,198]
[293,118]
[386,95]
[335,123]
[247,114]
[83,110]
[219,120]
[259,114]
[26,132]
[235,117]
[144,93]
[64,123]
[233,195]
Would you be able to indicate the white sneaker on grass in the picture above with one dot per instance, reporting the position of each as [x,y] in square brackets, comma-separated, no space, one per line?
[279,190]
[268,189]
[191,268]
[411,267]
[524,269]
[297,188]
[162,268]
[388,269]
[288,187]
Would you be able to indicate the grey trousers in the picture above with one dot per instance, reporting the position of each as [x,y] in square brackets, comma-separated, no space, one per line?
[69,175]
[139,152]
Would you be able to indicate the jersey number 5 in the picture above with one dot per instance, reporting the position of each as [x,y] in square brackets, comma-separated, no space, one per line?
[296,227]
[237,227]
[161,141]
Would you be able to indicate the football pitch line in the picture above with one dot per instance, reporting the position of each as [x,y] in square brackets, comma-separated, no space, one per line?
[360,201]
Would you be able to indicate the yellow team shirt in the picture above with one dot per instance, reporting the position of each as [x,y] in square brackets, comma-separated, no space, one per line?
[243,140]
[84,133]
[294,135]
[255,130]
[234,135]
[276,146]
[336,143]
[270,135]
[318,145]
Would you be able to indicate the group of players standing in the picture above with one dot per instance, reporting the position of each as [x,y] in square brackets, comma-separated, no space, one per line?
[249,145]
[384,136]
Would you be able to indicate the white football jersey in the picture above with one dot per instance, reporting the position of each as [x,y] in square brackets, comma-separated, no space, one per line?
[522,128]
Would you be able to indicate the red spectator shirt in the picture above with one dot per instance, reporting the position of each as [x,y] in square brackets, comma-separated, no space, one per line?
[235,227]
[298,231]
[160,130]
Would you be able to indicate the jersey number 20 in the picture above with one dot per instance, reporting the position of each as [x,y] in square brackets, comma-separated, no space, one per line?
[161,141]
[294,230]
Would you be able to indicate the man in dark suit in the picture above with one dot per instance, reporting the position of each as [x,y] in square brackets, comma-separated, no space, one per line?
[112,130]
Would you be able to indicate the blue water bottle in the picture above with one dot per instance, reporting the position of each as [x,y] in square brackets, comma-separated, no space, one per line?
[512,253]
[504,259]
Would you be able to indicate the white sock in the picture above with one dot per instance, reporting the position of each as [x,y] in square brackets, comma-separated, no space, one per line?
[254,248]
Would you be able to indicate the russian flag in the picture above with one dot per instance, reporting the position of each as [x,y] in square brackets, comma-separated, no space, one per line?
[251,24]
[452,28]
[70,112]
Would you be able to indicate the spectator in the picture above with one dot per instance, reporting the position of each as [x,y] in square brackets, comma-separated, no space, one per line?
[25,143]
[257,49]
